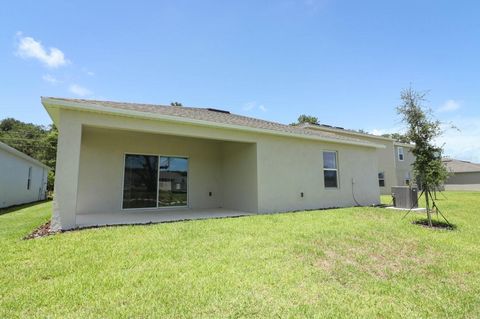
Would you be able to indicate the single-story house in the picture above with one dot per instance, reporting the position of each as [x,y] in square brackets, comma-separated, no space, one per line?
[394,160]
[121,163]
[464,175]
[23,179]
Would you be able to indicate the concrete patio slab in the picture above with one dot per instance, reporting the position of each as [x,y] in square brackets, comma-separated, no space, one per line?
[170,215]
[415,210]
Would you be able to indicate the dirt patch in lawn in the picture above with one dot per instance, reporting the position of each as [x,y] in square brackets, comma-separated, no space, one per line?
[381,260]
[436,224]
[41,231]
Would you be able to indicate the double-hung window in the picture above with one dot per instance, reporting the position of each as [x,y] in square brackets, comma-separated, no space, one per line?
[381,179]
[152,181]
[400,154]
[330,169]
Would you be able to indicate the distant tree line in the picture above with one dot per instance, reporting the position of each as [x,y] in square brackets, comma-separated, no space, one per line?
[37,141]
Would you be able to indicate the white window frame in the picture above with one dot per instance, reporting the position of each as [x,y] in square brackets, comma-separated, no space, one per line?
[331,169]
[400,152]
[158,208]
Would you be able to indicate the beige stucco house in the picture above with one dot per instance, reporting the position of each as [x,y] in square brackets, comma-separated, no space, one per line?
[23,179]
[121,163]
[394,160]
[464,175]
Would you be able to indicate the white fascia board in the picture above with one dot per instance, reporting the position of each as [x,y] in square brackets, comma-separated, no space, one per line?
[53,103]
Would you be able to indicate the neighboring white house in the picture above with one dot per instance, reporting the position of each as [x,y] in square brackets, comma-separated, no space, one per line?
[394,160]
[22,178]
[120,163]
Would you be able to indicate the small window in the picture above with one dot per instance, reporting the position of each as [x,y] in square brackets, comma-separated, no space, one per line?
[400,154]
[29,180]
[381,179]
[407,178]
[330,170]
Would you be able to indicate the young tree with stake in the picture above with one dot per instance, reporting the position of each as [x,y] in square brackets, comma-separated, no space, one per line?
[422,130]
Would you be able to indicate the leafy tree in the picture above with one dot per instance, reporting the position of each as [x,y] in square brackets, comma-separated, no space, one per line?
[176,104]
[306,119]
[422,131]
[402,138]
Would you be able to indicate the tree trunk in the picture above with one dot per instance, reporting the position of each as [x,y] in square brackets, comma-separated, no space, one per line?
[427,200]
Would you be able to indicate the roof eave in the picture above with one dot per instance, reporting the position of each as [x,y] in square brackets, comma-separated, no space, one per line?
[51,103]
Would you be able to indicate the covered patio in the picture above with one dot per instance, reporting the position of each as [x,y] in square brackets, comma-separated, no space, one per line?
[135,177]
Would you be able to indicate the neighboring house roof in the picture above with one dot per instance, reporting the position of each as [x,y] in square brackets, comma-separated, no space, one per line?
[338,129]
[24,156]
[199,116]
[403,144]
[459,166]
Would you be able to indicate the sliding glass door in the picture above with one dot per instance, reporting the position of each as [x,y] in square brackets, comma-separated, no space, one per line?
[155,181]
[172,185]
[140,181]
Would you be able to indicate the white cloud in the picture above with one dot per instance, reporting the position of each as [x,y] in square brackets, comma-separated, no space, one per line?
[50,79]
[249,106]
[462,143]
[88,72]
[79,90]
[449,106]
[30,48]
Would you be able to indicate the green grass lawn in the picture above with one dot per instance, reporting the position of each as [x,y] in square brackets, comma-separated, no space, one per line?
[360,262]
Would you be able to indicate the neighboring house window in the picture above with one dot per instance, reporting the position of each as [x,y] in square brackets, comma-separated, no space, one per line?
[381,179]
[400,154]
[407,178]
[330,169]
[29,180]
[154,181]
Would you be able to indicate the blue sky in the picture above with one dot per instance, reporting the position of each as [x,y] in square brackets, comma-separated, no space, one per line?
[342,61]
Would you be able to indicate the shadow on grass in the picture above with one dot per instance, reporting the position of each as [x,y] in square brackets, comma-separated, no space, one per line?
[436,224]
[12,209]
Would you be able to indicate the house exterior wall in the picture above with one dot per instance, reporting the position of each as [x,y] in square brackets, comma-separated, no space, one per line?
[404,167]
[259,173]
[386,163]
[239,176]
[14,177]
[287,167]
[387,158]
[464,178]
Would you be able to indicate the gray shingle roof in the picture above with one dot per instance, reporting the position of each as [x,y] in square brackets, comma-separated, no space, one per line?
[204,114]
[458,166]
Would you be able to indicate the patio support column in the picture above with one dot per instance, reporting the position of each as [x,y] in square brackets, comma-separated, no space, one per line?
[67,172]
